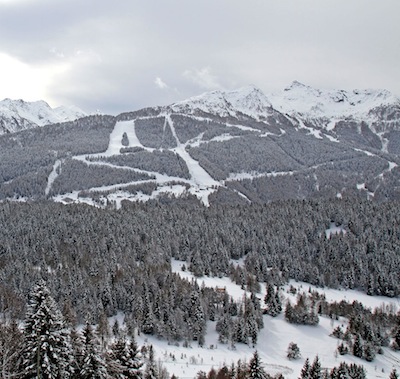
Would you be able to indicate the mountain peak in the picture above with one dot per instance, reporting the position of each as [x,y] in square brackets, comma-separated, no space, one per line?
[19,114]
[300,99]
[248,100]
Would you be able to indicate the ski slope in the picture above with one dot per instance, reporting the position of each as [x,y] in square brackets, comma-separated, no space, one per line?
[273,339]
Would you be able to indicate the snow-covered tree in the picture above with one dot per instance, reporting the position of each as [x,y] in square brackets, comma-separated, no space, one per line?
[272,302]
[47,349]
[293,351]
[315,369]
[124,359]
[151,367]
[255,370]
[305,371]
[11,345]
[93,365]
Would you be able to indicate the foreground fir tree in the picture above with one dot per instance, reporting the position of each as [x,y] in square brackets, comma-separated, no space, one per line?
[46,345]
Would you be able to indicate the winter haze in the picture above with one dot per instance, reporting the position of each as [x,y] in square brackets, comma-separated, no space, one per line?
[130,54]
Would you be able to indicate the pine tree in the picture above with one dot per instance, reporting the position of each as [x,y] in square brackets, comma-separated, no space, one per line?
[255,370]
[305,371]
[196,320]
[76,351]
[340,372]
[93,365]
[315,369]
[46,349]
[369,352]
[124,359]
[11,347]
[358,347]
[151,367]
[356,371]
[272,308]
[293,351]
[396,335]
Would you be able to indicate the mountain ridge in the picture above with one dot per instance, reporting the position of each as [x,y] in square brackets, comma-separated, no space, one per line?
[221,146]
[16,115]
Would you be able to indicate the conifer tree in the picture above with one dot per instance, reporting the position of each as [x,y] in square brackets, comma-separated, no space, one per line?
[76,351]
[151,367]
[272,308]
[124,359]
[11,346]
[256,370]
[305,371]
[315,369]
[46,345]
[293,351]
[358,347]
[93,365]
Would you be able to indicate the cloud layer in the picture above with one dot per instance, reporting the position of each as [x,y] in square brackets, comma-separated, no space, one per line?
[129,54]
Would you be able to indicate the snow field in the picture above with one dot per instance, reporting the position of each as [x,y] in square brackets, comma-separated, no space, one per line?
[274,338]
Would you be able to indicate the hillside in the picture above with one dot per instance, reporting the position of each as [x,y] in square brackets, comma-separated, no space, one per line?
[235,146]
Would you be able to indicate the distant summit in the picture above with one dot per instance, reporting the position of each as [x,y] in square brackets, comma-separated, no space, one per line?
[16,115]
[303,101]
[249,101]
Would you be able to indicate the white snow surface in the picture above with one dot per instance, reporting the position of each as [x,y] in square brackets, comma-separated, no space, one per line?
[37,112]
[300,99]
[273,339]
[248,100]
[200,182]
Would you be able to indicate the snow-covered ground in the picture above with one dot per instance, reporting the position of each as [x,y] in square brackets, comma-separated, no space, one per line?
[273,339]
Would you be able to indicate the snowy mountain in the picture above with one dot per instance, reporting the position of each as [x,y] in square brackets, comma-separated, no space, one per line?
[249,101]
[326,108]
[16,115]
[223,146]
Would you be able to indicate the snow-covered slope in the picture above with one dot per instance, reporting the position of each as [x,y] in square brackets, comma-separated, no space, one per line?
[274,338]
[16,115]
[309,103]
[231,146]
[249,101]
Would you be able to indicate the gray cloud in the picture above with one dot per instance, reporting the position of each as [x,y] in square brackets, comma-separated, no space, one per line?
[129,54]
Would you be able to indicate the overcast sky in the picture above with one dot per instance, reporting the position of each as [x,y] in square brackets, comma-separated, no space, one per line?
[127,54]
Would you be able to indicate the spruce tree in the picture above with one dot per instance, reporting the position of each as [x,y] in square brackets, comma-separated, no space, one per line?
[93,365]
[315,369]
[305,371]
[293,351]
[255,370]
[151,367]
[272,308]
[124,359]
[46,344]
[358,347]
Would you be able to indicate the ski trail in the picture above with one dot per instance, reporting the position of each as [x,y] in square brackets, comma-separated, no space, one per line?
[201,180]
[115,144]
[53,176]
